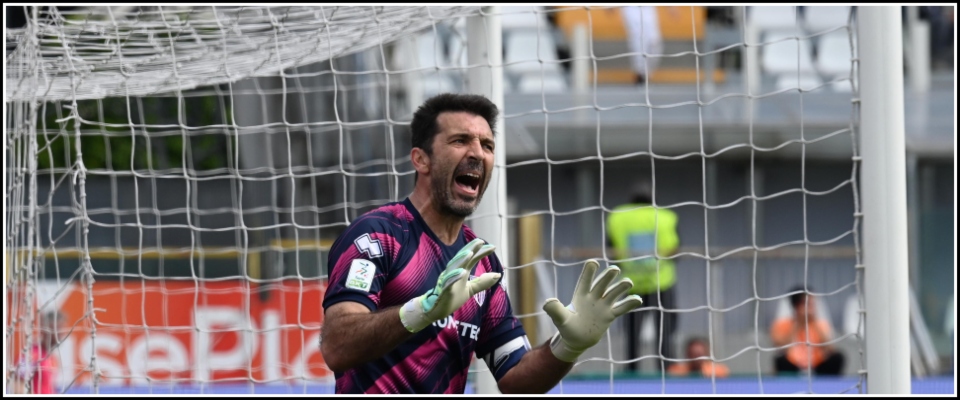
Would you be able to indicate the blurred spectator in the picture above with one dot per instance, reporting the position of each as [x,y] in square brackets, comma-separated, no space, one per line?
[803,327]
[39,370]
[699,365]
[643,37]
[638,230]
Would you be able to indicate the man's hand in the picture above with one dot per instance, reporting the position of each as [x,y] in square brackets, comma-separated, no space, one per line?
[452,290]
[594,307]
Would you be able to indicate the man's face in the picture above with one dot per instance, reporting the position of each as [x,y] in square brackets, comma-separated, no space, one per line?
[696,350]
[461,163]
[804,310]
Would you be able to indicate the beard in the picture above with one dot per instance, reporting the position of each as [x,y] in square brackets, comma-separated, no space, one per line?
[443,192]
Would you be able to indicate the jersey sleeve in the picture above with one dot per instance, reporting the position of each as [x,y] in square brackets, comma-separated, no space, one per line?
[360,262]
[28,364]
[502,341]
[24,369]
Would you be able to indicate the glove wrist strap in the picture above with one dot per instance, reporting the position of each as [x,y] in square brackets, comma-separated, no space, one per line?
[412,316]
[561,351]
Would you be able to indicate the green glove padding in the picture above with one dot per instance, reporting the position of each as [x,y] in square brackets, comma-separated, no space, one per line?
[452,289]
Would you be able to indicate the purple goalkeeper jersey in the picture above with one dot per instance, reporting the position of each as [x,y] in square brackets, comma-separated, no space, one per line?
[387,257]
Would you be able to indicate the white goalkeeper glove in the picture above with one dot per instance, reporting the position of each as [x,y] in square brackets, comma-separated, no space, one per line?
[581,324]
[452,290]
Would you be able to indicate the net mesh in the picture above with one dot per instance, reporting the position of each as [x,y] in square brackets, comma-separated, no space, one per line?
[129,51]
[177,174]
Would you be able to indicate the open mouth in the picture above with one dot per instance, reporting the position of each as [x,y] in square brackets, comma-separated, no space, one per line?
[469,182]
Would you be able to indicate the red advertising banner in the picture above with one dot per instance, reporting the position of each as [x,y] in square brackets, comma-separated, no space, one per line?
[189,332]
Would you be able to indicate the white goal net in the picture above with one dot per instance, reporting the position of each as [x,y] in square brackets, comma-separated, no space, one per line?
[176,175]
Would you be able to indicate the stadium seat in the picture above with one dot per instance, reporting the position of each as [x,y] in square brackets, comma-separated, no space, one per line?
[772,17]
[548,82]
[807,81]
[784,60]
[605,23]
[820,18]
[781,57]
[834,58]
[436,83]
[833,53]
[430,51]
[523,18]
[682,23]
[679,27]
[526,47]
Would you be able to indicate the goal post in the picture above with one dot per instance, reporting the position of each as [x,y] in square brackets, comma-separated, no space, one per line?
[885,262]
[485,77]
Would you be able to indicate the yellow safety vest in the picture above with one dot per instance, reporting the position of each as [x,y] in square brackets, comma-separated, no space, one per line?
[634,231]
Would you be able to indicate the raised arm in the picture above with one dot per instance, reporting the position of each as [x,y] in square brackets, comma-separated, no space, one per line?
[352,335]
[783,331]
[825,334]
[580,326]
[537,372]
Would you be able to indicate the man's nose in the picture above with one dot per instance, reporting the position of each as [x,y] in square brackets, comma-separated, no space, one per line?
[475,149]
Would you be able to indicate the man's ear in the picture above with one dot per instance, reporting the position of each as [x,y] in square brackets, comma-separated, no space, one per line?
[420,160]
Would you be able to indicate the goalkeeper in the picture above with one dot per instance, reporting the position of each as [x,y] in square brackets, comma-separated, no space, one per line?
[413,293]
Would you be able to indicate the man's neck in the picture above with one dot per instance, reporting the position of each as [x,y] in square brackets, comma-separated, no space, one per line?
[445,226]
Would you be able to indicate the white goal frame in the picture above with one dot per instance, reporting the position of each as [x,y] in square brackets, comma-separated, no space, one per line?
[884,189]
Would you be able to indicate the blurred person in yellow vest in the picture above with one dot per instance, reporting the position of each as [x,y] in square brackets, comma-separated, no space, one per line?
[642,237]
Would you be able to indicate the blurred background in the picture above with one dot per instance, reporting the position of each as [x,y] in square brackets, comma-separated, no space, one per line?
[316,148]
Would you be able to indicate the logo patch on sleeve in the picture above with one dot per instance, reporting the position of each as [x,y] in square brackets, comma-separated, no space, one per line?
[370,247]
[361,275]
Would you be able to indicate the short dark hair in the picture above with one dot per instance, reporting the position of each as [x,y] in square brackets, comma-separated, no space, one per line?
[695,339]
[797,299]
[424,124]
[642,194]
